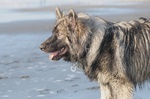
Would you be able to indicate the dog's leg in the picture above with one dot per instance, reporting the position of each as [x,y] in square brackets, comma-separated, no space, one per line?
[122,90]
[105,91]
[116,90]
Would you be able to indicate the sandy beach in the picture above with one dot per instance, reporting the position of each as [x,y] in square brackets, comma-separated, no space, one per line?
[26,72]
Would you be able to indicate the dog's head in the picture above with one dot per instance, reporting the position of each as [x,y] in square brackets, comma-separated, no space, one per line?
[58,45]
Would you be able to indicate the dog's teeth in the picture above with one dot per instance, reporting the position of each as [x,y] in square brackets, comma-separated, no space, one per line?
[62,49]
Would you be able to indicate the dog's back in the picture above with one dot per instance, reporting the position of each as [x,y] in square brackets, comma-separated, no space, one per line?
[134,39]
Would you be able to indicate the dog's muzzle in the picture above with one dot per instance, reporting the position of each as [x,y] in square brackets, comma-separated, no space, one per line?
[42,47]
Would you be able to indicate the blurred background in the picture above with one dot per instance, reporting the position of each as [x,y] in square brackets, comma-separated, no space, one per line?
[26,72]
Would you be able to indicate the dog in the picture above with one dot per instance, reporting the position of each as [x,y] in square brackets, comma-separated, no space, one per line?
[115,54]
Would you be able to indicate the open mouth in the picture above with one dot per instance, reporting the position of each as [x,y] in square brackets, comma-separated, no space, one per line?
[57,55]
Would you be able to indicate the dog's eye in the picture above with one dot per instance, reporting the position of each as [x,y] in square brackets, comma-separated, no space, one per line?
[59,34]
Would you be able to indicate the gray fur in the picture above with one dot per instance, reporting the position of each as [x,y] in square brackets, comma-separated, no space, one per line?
[116,55]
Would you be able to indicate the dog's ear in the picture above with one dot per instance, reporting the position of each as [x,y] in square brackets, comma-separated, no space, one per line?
[59,13]
[72,18]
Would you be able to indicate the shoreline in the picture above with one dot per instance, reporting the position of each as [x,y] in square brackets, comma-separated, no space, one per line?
[131,4]
[129,12]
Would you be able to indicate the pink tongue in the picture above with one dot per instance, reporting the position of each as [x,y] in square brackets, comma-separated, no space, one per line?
[53,54]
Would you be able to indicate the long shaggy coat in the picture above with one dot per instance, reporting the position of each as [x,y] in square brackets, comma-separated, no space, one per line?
[116,55]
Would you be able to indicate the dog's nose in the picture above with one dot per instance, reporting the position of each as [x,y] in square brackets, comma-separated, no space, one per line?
[42,47]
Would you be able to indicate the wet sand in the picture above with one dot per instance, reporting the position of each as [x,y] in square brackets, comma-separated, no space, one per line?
[26,72]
